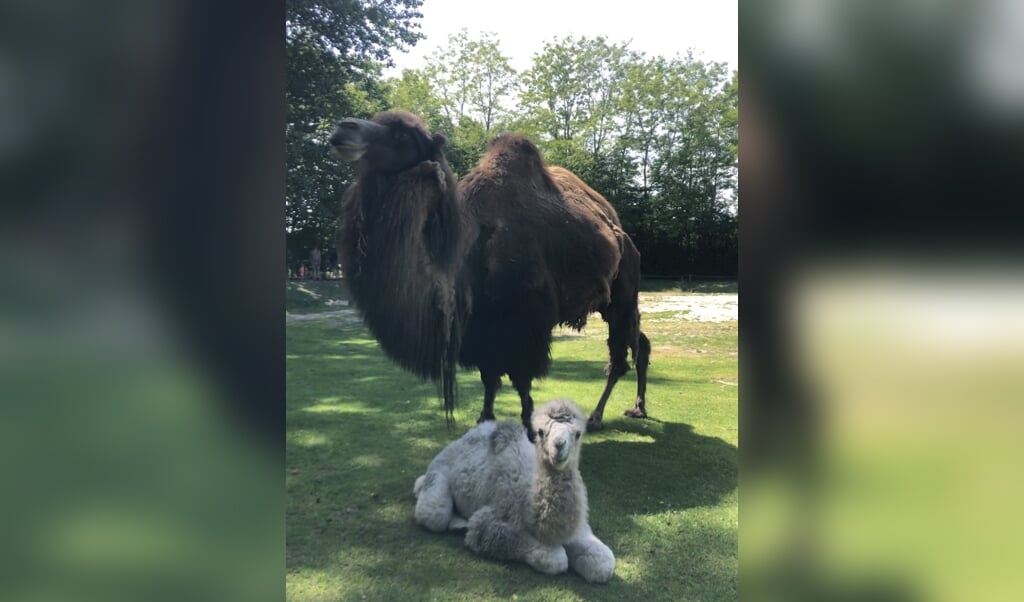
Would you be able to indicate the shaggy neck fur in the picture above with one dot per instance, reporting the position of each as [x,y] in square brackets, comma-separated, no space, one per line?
[401,255]
[557,504]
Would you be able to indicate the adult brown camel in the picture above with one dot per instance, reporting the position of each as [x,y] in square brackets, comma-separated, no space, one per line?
[479,275]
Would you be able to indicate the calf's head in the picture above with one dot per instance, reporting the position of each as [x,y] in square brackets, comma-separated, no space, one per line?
[559,425]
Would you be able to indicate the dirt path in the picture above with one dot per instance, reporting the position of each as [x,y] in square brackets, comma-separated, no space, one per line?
[688,308]
[695,308]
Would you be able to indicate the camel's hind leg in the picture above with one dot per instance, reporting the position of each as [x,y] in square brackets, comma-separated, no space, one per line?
[623,317]
[621,336]
[642,359]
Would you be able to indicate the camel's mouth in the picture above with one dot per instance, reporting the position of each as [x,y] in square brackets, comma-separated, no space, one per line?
[559,460]
[349,152]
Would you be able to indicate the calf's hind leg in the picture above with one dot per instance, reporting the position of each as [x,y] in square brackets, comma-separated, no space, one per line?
[434,504]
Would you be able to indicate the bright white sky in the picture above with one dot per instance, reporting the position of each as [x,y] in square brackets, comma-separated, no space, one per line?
[656,27]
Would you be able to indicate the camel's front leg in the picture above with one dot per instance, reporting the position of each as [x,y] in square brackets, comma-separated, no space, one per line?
[589,557]
[491,537]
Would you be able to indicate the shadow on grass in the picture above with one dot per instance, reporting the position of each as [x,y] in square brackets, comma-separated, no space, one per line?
[593,371]
[361,430]
[683,285]
[669,467]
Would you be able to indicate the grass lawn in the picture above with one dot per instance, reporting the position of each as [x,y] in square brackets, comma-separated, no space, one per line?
[663,491]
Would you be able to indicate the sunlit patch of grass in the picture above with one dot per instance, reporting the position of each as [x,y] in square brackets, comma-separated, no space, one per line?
[306,438]
[662,491]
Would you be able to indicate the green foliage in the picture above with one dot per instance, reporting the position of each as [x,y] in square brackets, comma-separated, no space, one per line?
[571,92]
[663,492]
[463,92]
[657,136]
[333,52]
[414,92]
[472,77]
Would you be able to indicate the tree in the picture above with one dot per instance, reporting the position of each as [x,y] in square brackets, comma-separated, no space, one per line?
[472,78]
[414,92]
[494,79]
[334,53]
[656,136]
[693,174]
[463,92]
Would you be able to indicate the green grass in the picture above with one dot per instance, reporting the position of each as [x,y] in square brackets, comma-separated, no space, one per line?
[663,492]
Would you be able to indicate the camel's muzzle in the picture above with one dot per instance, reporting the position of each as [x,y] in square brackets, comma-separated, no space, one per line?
[560,455]
[352,136]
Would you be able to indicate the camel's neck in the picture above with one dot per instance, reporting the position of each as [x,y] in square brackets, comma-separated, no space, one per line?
[407,227]
[409,299]
[558,503]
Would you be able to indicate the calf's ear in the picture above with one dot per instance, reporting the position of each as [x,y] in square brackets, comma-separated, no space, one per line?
[439,141]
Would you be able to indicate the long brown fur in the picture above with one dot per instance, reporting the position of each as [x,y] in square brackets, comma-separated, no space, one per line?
[482,275]
[402,245]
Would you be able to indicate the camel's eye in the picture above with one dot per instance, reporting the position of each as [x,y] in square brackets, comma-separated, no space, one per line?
[577,436]
[540,432]
[400,135]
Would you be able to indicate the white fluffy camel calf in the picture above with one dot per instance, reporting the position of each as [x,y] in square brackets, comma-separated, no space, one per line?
[518,501]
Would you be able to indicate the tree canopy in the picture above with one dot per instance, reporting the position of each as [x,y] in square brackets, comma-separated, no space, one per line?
[335,53]
[657,136]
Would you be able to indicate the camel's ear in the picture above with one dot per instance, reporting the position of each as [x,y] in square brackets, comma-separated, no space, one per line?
[439,141]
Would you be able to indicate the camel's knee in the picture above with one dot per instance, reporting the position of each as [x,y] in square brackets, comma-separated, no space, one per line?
[618,365]
[616,368]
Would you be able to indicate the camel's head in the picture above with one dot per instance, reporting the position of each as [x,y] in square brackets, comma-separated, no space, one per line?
[559,425]
[390,143]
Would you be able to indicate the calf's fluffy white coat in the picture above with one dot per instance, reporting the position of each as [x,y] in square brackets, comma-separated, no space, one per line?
[518,501]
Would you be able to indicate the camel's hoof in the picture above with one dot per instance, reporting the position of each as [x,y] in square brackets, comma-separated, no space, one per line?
[594,425]
[483,418]
[635,413]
